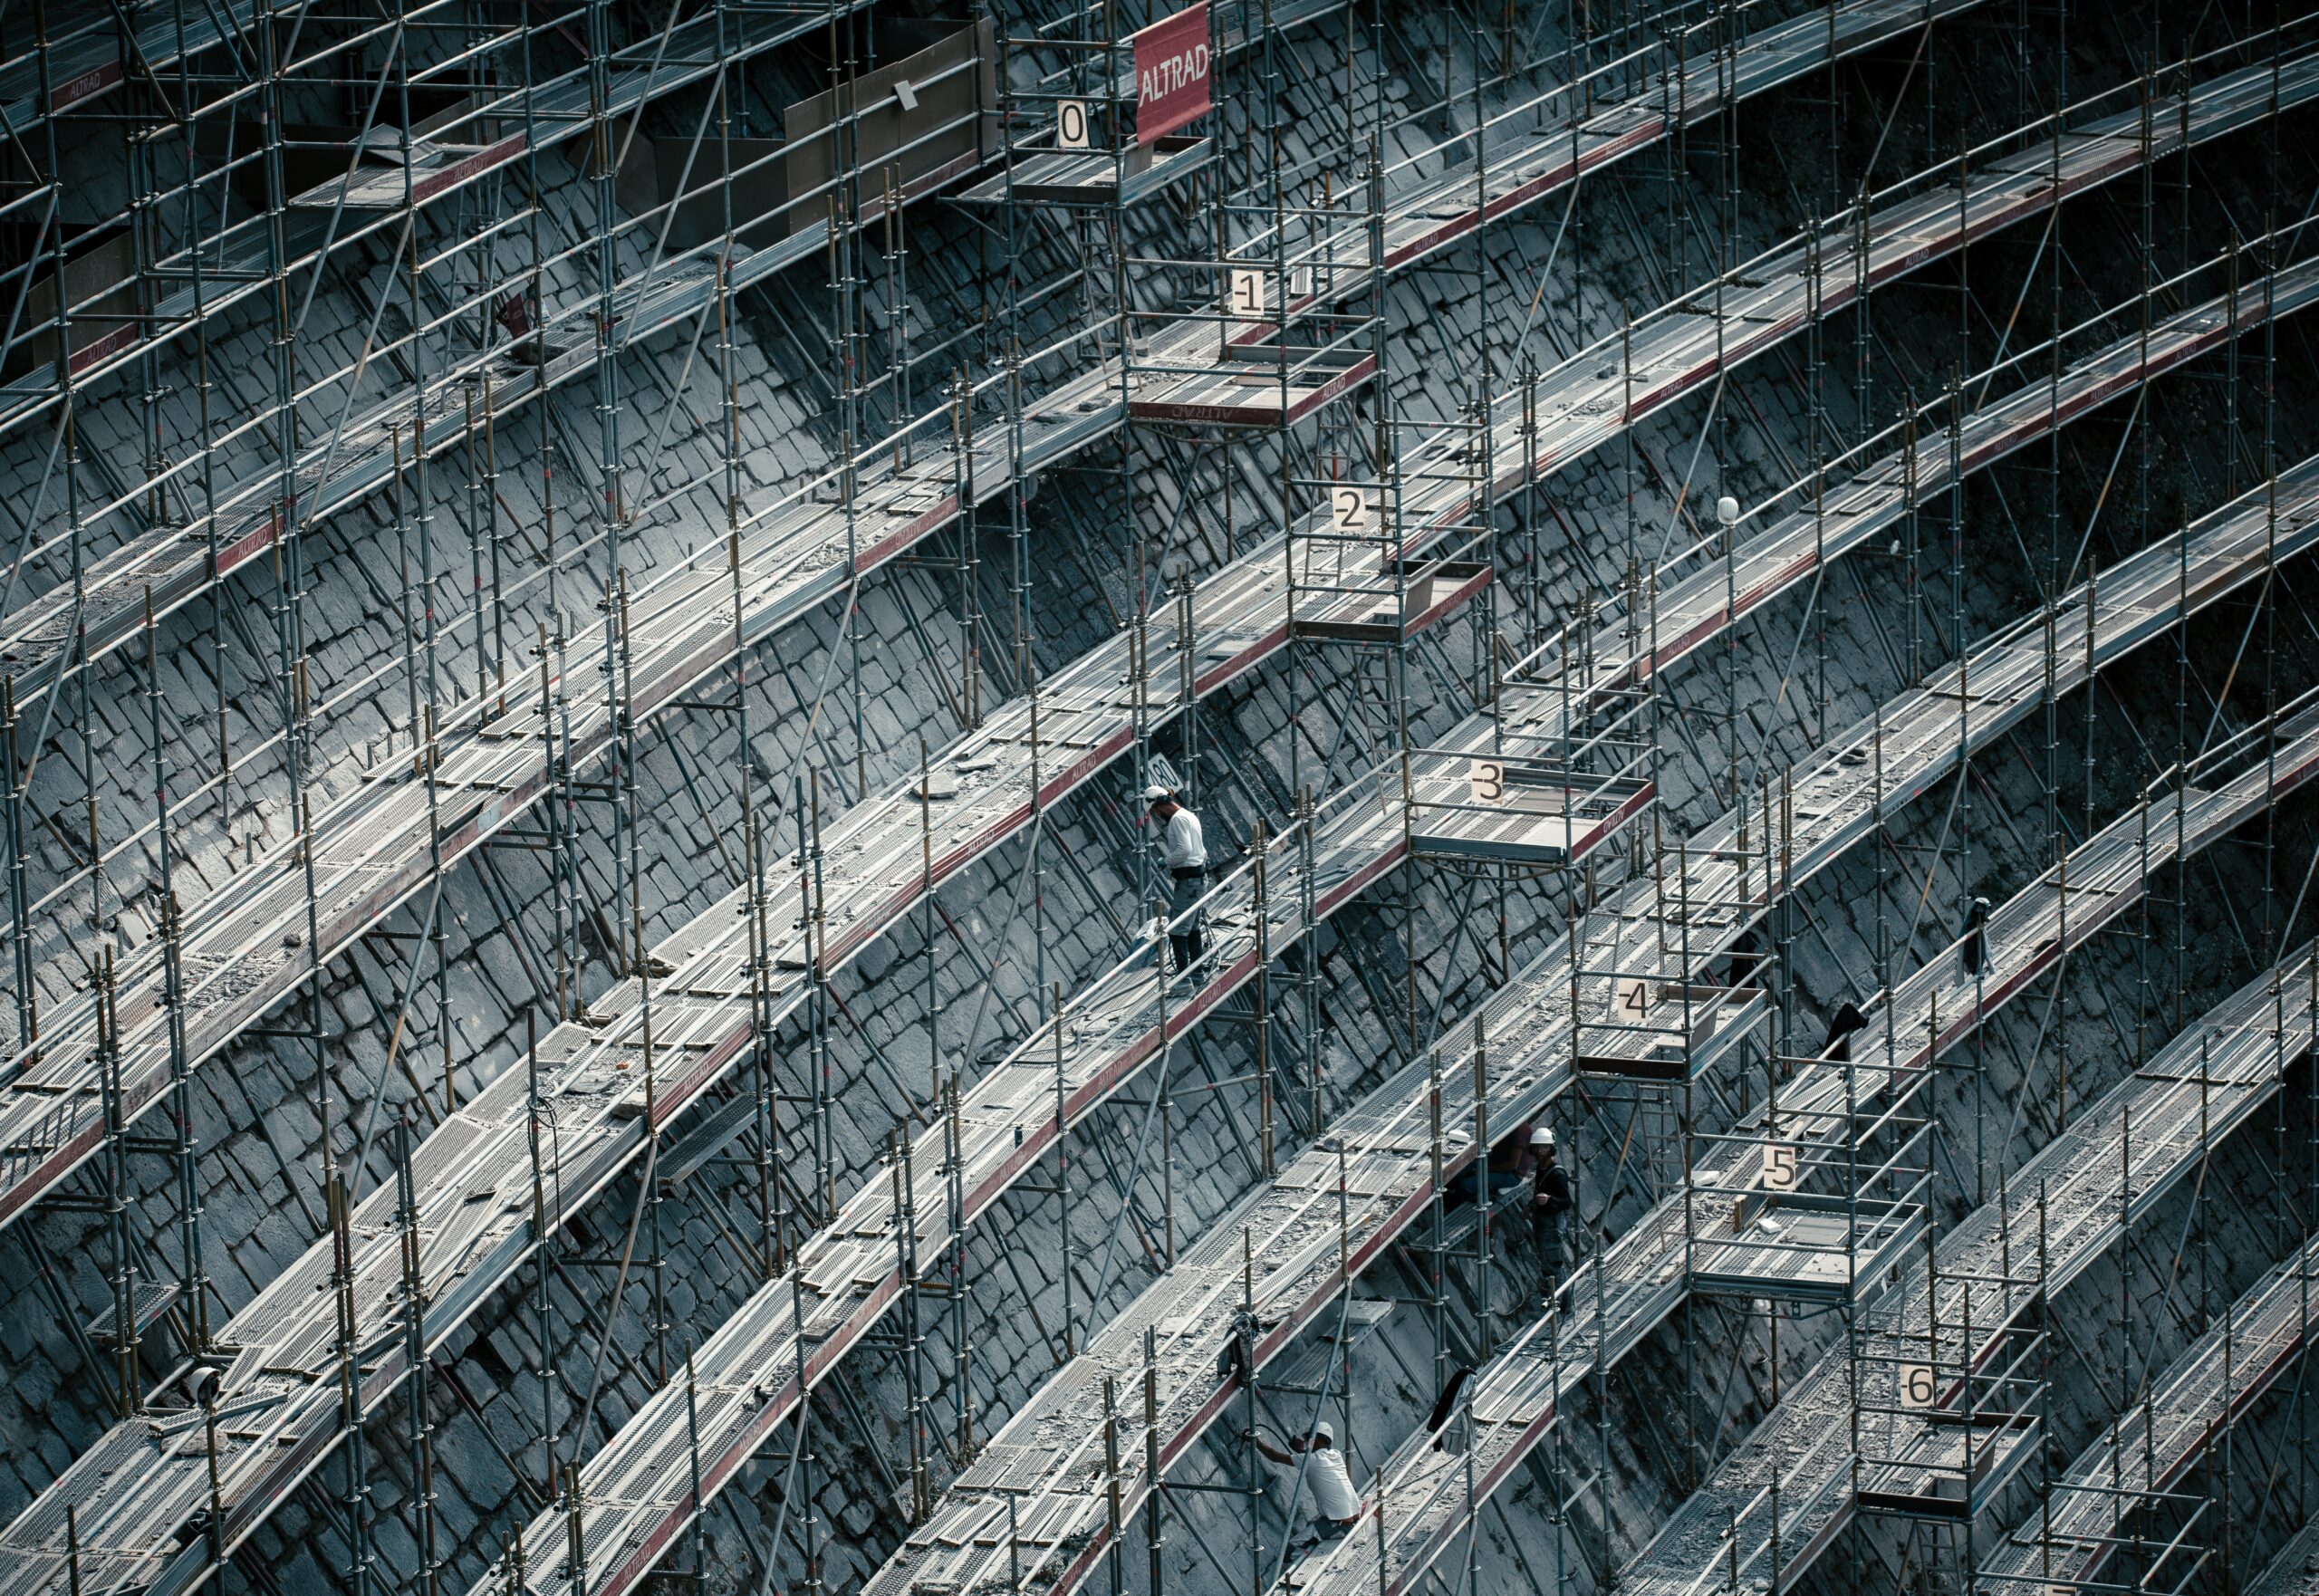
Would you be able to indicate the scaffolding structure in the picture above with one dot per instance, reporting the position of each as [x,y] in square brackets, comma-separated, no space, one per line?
[385,301]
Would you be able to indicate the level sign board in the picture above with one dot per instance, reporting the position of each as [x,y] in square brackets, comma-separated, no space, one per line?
[1171,74]
[1071,124]
[1243,292]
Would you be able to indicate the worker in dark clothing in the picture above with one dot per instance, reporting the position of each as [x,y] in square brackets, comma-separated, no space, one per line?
[1529,1154]
[1510,1163]
[1183,850]
[514,313]
[1841,1024]
[1445,1405]
[1976,947]
[1552,1199]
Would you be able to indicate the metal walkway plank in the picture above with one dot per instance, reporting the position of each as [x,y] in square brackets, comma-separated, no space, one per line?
[794,560]
[1618,1298]
[506,1243]
[1293,1236]
[2154,1445]
[2214,1076]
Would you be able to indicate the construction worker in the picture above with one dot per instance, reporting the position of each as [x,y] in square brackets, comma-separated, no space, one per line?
[1510,1163]
[1549,1201]
[1529,1154]
[1975,946]
[1843,1025]
[1184,852]
[1336,1505]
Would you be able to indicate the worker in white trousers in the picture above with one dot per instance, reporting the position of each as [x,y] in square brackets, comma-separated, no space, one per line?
[1184,852]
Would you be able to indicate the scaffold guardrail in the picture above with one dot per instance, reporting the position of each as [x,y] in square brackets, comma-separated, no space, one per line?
[378,847]
[1616,1299]
[1780,1499]
[705,1063]
[2078,1532]
[1271,1268]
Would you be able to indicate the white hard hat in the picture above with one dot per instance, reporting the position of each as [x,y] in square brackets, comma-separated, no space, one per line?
[1154,792]
[1322,1432]
[1726,509]
[1544,1136]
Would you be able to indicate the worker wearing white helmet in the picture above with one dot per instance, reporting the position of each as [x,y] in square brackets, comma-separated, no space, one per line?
[1317,1463]
[1512,1160]
[1527,1154]
[1183,850]
[1550,1199]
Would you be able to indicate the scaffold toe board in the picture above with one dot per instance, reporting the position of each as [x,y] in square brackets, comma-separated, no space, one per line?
[1093,177]
[1526,811]
[1385,601]
[1247,385]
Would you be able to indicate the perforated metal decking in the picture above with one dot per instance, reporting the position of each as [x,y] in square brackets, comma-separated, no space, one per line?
[691,1034]
[1277,1255]
[377,846]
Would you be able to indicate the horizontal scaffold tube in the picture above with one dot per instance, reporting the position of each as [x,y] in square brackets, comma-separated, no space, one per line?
[492,1242]
[1275,1261]
[1619,1297]
[379,845]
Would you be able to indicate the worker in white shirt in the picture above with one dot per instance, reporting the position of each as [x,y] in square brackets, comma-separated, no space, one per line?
[1336,1505]
[1184,851]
